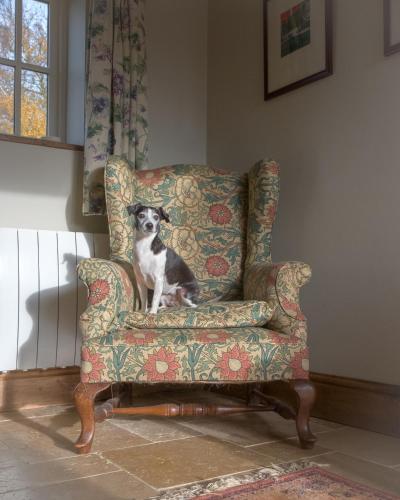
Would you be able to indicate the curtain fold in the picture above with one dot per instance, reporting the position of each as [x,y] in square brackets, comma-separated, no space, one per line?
[116,93]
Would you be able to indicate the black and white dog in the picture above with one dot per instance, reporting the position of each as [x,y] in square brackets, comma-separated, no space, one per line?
[158,267]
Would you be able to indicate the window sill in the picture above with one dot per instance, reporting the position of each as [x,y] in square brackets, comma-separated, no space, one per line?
[40,142]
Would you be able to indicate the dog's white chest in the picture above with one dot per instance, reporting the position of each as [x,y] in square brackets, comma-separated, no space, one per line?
[148,266]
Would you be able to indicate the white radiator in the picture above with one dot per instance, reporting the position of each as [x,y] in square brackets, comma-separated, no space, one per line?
[41,297]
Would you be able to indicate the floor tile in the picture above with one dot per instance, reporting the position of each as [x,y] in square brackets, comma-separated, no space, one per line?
[30,441]
[326,423]
[44,473]
[114,485]
[153,429]
[40,411]
[384,450]
[377,476]
[248,429]
[7,456]
[39,439]
[172,463]
[288,450]
[107,436]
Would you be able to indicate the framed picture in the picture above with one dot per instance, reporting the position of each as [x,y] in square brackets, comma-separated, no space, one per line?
[391,16]
[297,44]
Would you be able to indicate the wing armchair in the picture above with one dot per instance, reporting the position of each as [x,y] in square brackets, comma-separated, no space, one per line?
[256,334]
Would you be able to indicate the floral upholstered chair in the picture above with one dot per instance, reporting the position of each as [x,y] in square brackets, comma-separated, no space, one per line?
[248,327]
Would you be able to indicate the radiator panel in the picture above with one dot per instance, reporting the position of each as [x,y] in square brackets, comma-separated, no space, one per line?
[41,297]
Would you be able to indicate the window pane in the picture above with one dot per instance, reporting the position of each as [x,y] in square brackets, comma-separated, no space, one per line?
[33,103]
[6,99]
[7,28]
[35,32]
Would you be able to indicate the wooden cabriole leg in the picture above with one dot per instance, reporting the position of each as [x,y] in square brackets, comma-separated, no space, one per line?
[305,392]
[84,396]
[291,400]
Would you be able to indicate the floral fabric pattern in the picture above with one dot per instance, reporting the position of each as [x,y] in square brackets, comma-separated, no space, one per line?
[140,338]
[234,364]
[280,284]
[221,225]
[214,315]
[107,308]
[116,100]
[98,291]
[120,191]
[208,211]
[162,366]
[182,355]
[263,203]
[92,365]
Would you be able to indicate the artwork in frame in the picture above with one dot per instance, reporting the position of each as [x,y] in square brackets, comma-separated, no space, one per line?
[297,44]
[391,26]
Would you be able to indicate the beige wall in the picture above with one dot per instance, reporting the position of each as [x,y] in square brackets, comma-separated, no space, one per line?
[177,69]
[338,144]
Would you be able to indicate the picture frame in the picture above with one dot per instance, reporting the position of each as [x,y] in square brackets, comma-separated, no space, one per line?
[391,20]
[297,44]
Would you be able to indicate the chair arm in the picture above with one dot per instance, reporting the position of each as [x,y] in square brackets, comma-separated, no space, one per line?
[110,296]
[279,284]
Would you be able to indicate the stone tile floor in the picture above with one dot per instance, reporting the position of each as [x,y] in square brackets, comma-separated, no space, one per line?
[135,458]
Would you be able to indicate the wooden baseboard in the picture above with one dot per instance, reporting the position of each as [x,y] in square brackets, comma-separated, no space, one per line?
[24,389]
[358,403]
[367,405]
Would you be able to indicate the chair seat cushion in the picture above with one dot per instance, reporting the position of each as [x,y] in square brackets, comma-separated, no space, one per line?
[193,355]
[207,315]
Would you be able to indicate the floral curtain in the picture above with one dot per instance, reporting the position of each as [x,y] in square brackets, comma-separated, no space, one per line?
[116,99]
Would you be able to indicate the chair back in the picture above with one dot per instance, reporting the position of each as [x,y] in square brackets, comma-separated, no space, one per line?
[208,209]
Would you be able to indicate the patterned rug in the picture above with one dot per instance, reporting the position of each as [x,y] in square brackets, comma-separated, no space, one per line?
[313,483]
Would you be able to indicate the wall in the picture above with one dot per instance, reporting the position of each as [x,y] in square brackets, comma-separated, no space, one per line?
[338,144]
[41,188]
[75,130]
[177,71]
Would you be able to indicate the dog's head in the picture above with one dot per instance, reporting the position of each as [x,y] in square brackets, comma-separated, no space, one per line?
[147,219]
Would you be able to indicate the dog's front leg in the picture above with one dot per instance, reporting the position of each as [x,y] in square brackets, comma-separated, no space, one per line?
[158,288]
[143,296]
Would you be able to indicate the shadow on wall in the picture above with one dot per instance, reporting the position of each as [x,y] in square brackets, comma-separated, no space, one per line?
[54,339]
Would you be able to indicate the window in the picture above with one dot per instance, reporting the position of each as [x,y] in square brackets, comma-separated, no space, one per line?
[29,66]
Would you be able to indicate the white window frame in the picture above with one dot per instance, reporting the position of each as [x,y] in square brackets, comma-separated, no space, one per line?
[55,70]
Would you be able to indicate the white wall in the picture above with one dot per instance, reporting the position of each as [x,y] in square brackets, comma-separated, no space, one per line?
[41,188]
[338,144]
[177,71]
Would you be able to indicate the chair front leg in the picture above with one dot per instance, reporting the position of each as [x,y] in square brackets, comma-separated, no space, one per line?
[84,396]
[305,392]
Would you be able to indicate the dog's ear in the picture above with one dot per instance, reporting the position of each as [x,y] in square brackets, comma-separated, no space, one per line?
[134,209]
[163,214]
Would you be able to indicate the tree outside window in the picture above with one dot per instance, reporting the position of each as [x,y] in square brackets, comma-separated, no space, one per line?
[24,67]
